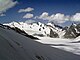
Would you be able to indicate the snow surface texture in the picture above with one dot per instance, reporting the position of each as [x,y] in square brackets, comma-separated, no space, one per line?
[70,45]
[14,46]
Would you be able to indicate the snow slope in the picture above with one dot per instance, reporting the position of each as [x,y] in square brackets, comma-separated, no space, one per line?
[70,45]
[14,46]
[78,38]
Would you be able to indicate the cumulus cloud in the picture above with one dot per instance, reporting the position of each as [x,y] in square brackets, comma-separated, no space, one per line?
[2,14]
[58,18]
[29,21]
[76,17]
[6,4]
[28,15]
[43,16]
[29,9]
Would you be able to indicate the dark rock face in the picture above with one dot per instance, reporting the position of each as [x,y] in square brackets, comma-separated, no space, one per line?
[37,23]
[53,34]
[78,27]
[40,29]
[43,27]
[78,35]
[65,28]
[73,31]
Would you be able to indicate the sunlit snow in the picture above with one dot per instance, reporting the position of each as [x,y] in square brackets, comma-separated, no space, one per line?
[70,45]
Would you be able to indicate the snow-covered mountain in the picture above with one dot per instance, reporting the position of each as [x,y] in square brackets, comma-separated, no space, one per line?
[73,31]
[50,29]
[14,46]
[39,29]
[17,30]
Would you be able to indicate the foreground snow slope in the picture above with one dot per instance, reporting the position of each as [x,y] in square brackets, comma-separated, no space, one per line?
[14,46]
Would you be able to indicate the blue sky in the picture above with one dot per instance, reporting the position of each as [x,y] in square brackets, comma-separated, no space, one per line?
[66,7]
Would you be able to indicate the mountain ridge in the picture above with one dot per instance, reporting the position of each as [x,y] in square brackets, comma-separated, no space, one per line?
[49,29]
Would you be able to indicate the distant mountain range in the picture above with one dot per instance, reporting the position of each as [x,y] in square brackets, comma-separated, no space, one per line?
[50,29]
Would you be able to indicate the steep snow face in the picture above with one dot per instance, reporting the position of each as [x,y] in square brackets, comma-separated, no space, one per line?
[77,39]
[14,46]
[37,28]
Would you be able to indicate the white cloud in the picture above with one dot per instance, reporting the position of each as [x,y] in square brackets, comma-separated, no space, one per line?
[2,14]
[43,16]
[29,9]
[58,18]
[28,15]
[29,21]
[6,4]
[76,17]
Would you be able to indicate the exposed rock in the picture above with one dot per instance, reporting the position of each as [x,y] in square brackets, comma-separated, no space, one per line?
[40,29]
[73,31]
[53,34]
